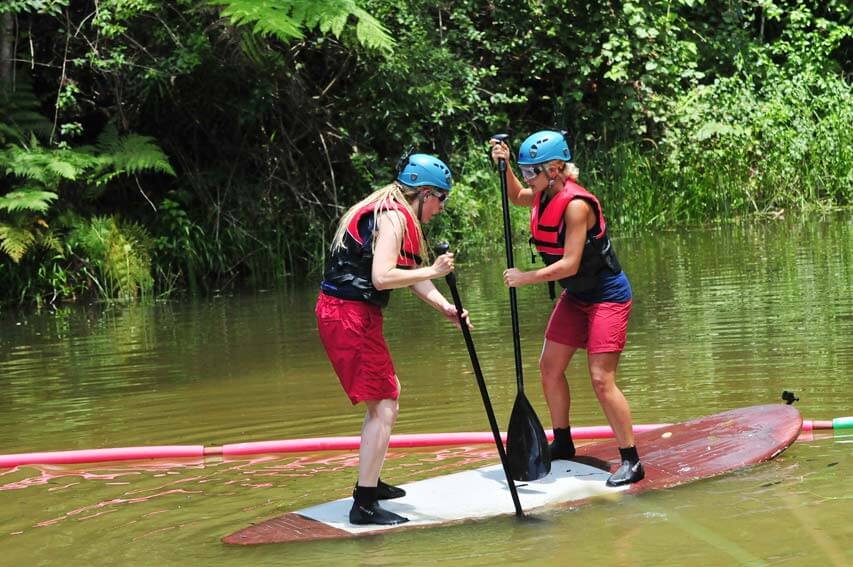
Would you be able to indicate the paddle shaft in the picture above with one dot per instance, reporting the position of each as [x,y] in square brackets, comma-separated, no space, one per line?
[513,300]
[475,363]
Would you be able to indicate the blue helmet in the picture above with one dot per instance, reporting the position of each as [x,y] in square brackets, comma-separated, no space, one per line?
[417,170]
[545,145]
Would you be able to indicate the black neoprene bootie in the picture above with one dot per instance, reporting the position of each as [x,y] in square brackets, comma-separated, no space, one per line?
[388,492]
[631,469]
[385,491]
[366,509]
[627,473]
[562,447]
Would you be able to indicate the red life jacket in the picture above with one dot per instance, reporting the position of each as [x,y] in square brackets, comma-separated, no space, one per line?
[411,246]
[548,230]
[548,226]
[349,272]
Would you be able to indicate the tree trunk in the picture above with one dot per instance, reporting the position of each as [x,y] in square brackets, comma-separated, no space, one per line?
[7,41]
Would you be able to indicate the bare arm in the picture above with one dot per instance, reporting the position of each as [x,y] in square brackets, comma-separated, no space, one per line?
[385,273]
[429,294]
[578,219]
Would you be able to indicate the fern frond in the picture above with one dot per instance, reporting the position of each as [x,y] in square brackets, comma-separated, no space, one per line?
[286,19]
[27,199]
[51,241]
[371,33]
[131,154]
[266,17]
[129,260]
[118,255]
[19,109]
[15,241]
[47,166]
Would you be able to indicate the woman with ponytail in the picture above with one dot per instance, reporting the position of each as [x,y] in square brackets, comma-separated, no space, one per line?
[379,246]
[569,231]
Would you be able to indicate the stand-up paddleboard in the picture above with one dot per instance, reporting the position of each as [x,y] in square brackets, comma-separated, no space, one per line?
[671,455]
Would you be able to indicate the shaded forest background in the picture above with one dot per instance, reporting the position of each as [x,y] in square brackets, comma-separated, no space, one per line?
[149,147]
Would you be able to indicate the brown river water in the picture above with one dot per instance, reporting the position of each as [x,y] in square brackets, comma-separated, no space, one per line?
[723,317]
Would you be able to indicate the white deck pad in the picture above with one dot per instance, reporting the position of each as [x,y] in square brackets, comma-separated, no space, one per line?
[473,494]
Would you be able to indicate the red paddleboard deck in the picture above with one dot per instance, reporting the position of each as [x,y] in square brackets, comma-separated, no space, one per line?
[672,455]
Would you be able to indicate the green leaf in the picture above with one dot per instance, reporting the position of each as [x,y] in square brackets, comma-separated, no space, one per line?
[27,200]
[133,153]
[287,20]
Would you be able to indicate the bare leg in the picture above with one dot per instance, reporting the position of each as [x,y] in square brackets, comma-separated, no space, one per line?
[553,362]
[375,436]
[602,372]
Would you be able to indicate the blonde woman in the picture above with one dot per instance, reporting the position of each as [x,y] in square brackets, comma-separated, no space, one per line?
[379,246]
[569,231]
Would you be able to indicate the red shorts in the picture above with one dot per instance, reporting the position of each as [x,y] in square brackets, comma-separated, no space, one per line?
[351,331]
[597,327]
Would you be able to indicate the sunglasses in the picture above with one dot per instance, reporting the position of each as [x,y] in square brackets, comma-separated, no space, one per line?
[440,195]
[529,172]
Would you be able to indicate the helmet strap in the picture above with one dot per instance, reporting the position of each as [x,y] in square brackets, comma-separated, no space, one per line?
[422,195]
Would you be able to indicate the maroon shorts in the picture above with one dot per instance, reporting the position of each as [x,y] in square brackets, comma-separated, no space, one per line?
[351,331]
[597,327]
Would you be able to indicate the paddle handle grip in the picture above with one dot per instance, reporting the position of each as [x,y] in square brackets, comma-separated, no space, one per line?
[502,138]
[442,248]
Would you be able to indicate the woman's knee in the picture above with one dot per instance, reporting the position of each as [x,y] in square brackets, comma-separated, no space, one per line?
[383,410]
[603,383]
[394,411]
[551,370]
[553,361]
[388,410]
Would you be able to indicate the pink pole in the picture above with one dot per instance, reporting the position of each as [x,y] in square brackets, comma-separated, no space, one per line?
[102,455]
[304,445]
[406,440]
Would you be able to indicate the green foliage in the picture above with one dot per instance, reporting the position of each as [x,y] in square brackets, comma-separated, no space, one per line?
[19,112]
[473,218]
[38,175]
[182,248]
[44,172]
[27,199]
[287,20]
[14,240]
[115,257]
[45,166]
[269,118]
[732,151]
[52,7]
[128,155]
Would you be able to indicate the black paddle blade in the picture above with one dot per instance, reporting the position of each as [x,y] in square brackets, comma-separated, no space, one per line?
[526,443]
